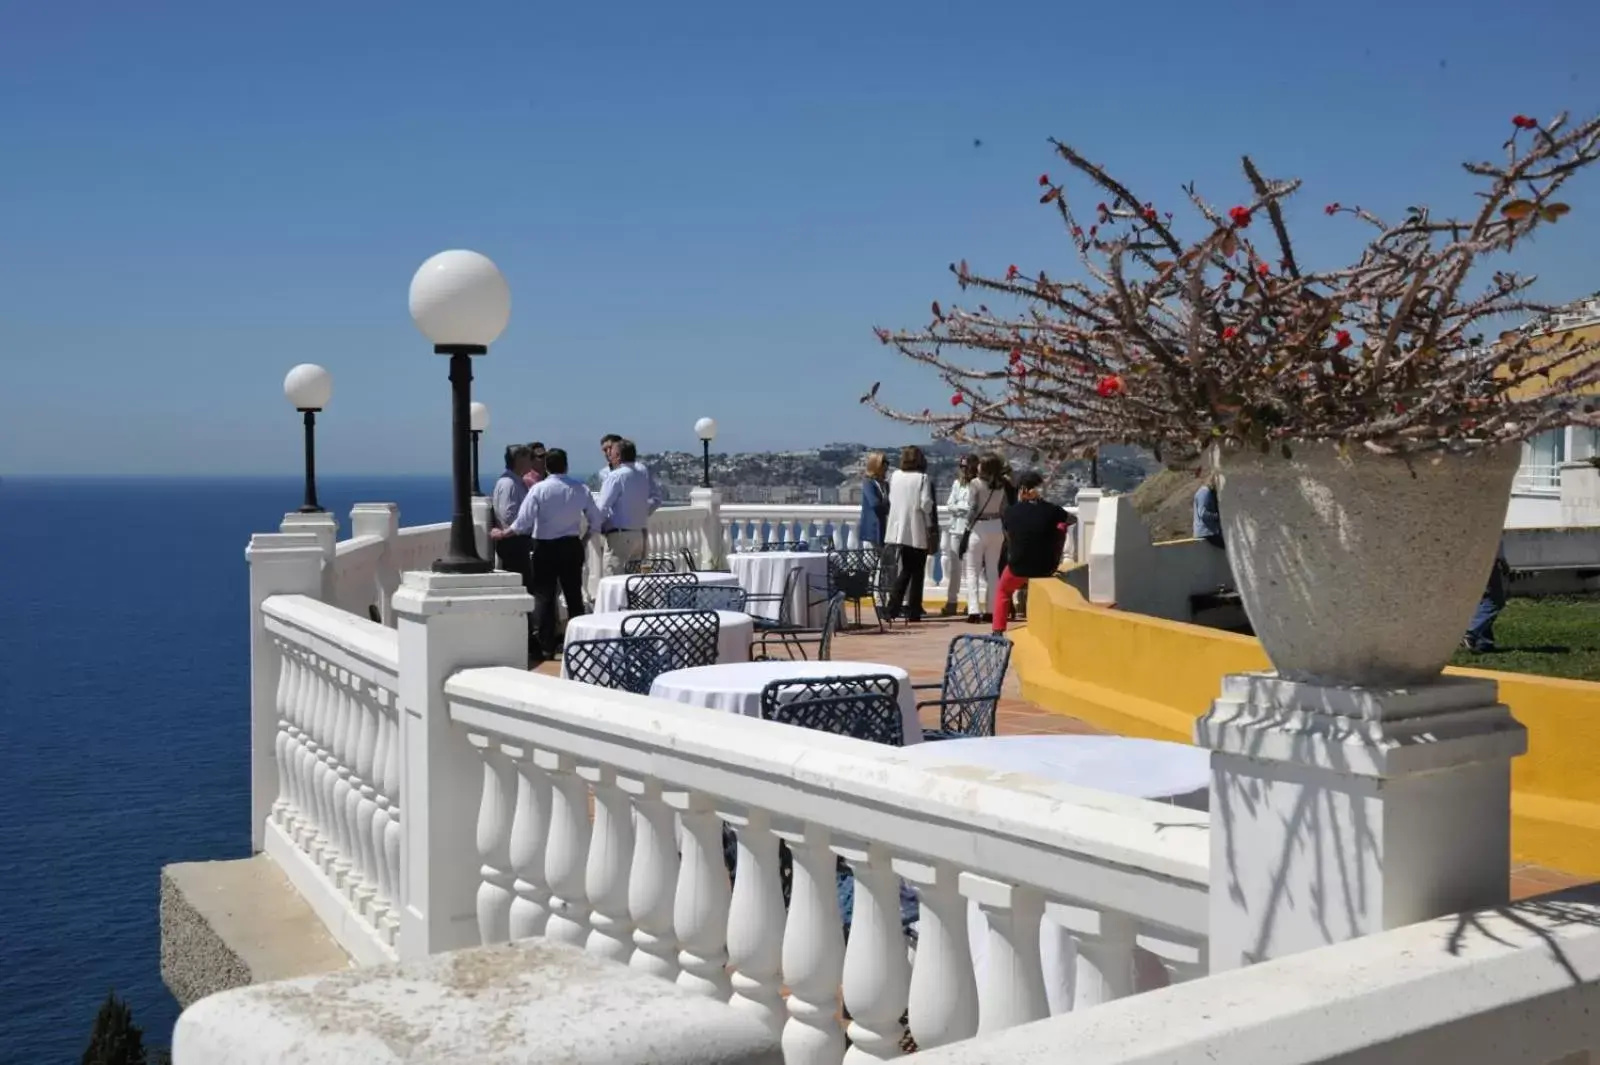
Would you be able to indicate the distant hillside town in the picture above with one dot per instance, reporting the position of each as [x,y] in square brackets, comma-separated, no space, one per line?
[831,474]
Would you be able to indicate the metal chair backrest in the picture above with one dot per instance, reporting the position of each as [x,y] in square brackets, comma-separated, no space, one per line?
[648,591]
[863,707]
[626,663]
[832,619]
[692,633]
[974,672]
[853,572]
[705,597]
[657,564]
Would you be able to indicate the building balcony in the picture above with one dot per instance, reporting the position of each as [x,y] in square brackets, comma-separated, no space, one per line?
[535,868]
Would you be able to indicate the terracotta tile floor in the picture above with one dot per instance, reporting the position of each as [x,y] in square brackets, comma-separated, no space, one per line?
[920,650]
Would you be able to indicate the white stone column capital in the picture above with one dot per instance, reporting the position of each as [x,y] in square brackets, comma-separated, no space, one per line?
[375,519]
[424,594]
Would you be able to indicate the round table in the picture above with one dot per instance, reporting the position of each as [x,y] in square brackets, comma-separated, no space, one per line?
[733,635]
[613,591]
[764,572]
[736,688]
[1140,769]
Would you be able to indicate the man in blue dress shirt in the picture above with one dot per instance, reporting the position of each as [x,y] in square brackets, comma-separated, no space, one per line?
[628,496]
[553,514]
[509,491]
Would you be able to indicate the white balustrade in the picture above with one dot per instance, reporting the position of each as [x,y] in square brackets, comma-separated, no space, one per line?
[334,825]
[357,579]
[419,546]
[644,880]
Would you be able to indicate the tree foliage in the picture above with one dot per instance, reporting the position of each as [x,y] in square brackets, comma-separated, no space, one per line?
[1179,344]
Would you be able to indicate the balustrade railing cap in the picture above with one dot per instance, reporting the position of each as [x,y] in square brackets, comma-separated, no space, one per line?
[423,593]
[281,547]
[526,1002]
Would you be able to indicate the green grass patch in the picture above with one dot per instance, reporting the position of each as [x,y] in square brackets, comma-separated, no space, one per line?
[1558,636]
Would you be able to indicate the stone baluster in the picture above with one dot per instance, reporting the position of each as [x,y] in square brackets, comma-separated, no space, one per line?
[283,807]
[530,828]
[494,843]
[813,953]
[1105,966]
[877,973]
[756,920]
[944,993]
[383,877]
[392,828]
[606,872]
[323,770]
[366,806]
[1012,989]
[652,879]
[302,758]
[700,910]
[316,770]
[340,757]
[567,852]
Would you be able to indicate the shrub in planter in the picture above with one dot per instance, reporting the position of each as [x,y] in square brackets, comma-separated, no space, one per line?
[1364,424]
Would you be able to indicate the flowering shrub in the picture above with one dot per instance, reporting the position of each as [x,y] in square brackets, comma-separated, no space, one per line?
[1179,345]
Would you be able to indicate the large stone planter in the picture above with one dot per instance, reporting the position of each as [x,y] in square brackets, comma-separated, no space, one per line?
[1365,569]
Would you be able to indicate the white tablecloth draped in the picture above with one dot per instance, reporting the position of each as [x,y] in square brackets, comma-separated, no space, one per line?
[764,572]
[1142,769]
[737,688]
[733,636]
[613,591]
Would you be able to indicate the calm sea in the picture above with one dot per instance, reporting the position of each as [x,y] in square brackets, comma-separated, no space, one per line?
[124,725]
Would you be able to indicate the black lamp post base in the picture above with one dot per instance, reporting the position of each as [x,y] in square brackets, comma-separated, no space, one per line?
[310,508]
[461,565]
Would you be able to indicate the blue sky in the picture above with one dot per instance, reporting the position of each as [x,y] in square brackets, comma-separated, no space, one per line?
[701,208]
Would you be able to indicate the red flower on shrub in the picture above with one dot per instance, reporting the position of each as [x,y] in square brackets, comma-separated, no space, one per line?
[1109,385]
[955,400]
[1524,122]
[1341,339]
[1149,213]
[1229,333]
[1263,269]
[1016,355]
[1332,208]
[1044,179]
[1240,216]
[1011,272]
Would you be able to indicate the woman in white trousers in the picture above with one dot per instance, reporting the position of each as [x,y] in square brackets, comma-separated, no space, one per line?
[957,507]
[986,505]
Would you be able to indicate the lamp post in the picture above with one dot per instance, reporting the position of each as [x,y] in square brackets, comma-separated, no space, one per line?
[480,425]
[308,388]
[706,430]
[460,301]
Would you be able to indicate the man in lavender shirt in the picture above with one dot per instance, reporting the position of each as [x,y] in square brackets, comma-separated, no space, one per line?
[628,496]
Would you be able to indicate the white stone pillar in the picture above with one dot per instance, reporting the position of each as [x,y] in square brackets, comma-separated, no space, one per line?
[383,521]
[1337,812]
[711,552]
[280,564]
[448,622]
[1088,504]
[482,514]
[325,527]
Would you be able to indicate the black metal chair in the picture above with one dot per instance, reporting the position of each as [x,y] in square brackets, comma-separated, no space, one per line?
[853,573]
[883,584]
[690,562]
[692,633]
[793,641]
[705,597]
[626,663]
[648,591]
[784,600]
[656,564]
[969,695]
[782,545]
[863,707]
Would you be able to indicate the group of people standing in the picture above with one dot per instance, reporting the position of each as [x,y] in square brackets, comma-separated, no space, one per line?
[1002,532]
[543,518]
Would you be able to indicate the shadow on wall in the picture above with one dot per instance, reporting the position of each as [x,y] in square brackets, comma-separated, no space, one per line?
[1181,580]
[1138,675]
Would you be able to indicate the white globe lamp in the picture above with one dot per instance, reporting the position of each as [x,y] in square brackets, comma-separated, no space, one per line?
[460,302]
[309,387]
[706,430]
[480,425]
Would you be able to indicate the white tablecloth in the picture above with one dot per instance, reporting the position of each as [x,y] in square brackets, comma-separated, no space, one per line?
[613,591]
[1141,769]
[764,572]
[737,688]
[733,636]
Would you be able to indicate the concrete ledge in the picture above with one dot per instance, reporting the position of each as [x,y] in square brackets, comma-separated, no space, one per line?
[230,924]
[527,1002]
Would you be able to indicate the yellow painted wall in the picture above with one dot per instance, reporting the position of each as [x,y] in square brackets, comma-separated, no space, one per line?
[1142,676]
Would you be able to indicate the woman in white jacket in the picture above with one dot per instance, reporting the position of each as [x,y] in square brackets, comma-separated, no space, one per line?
[986,506]
[956,505]
[911,512]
